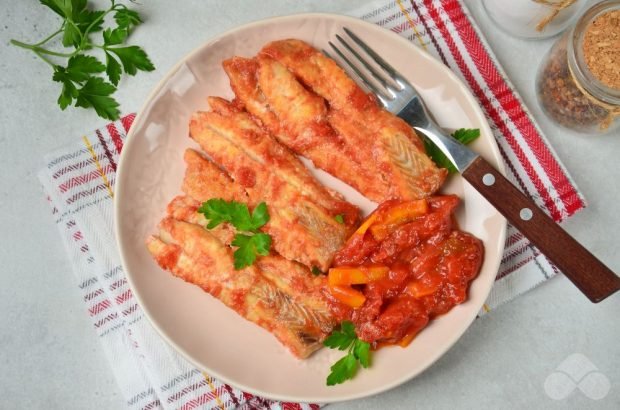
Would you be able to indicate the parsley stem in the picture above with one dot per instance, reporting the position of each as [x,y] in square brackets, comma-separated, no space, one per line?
[92,24]
[47,60]
[42,50]
[51,36]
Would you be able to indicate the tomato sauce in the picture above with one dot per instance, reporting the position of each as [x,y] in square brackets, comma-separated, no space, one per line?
[406,264]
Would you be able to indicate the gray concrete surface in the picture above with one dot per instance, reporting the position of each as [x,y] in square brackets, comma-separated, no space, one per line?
[49,354]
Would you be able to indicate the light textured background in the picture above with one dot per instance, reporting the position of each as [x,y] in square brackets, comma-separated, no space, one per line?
[49,354]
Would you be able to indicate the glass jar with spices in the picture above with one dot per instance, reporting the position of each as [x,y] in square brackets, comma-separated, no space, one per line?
[534,19]
[578,82]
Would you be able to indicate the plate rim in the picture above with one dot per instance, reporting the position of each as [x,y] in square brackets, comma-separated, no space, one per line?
[118,199]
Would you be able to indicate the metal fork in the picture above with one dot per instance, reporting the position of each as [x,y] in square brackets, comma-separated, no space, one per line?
[398,96]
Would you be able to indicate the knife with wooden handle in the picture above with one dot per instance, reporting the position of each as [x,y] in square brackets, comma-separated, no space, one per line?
[589,274]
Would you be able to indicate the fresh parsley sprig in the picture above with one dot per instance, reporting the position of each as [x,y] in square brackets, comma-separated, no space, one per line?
[82,83]
[252,242]
[463,135]
[358,352]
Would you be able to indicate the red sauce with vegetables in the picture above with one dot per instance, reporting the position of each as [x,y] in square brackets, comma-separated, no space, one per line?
[406,264]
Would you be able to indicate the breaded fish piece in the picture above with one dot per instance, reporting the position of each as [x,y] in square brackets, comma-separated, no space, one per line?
[385,139]
[185,208]
[300,229]
[218,184]
[291,278]
[191,253]
[241,130]
[407,171]
[242,73]
[320,73]
[298,119]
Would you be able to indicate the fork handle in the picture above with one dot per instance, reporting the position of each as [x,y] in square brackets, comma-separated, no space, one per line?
[586,272]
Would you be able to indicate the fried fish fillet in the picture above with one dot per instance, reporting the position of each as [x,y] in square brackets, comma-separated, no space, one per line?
[298,118]
[292,278]
[386,140]
[300,229]
[191,253]
[240,129]
[217,185]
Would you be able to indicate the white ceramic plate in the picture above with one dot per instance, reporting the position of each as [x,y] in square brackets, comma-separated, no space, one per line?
[202,329]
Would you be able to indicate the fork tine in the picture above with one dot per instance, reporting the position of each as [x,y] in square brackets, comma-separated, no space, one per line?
[376,90]
[381,79]
[391,71]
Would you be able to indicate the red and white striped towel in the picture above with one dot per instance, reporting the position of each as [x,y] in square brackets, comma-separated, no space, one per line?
[79,181]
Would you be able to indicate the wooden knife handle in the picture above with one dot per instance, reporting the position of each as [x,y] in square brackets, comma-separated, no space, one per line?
[588,273]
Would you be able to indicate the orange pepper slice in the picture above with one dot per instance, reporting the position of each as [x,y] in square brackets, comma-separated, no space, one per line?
[356,275]
[407,339]
[359,233]
[398,215]
[417,288]
[364,227]
[348,295]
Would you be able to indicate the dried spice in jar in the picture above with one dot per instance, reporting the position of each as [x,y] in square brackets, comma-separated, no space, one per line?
[601,48]
[578,83]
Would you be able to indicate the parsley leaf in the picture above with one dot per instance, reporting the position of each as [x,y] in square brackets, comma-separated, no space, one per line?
[262,243]
[260,216]
[112,68]
[60,7]
[316,271]
[133,59]
[343,370]
[466,135]
[339,218]
[126,18]
[86,18]
[358,351]
[217,210]
[249,246]
[338,340]
[68,93]
[348,328]
[81,78]
[361,350]
[77,7]
[463,135]
[80,67]
[96,94]
[113,37]
[72,36]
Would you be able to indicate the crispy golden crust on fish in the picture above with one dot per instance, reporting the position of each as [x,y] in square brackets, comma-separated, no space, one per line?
[217,185]
[298,118]
[244,132]
[386,140]
[292,278]
[407,172]
[320,73]
[301,230]
[185,208]
[194,255]
[242,74]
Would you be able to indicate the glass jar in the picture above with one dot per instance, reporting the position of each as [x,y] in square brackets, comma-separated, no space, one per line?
[533,19]
[568,91]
